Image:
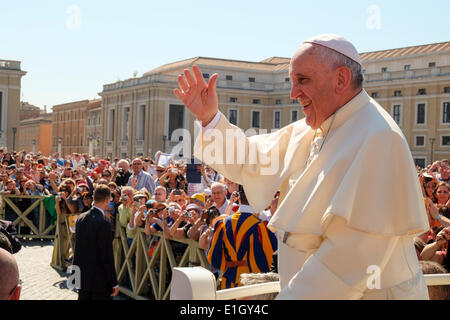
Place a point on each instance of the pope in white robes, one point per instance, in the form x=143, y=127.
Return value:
x=350, y=200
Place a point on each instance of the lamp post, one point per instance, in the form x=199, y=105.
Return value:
x=14, y=138
x=59, y=145
x=432, y=151
x=164, y=143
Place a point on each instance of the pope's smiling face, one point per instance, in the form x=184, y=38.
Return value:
x=313, y=85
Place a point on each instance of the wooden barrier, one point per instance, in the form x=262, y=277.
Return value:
x=148, y=277
x=36, y=232
x=64, y=244
x=140, y=276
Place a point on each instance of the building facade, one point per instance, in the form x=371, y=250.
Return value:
x=10, y=86
x=35, y=134
x=141, y=115
x=413, y=85
x=69, y=127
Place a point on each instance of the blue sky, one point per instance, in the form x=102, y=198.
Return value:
x=71, y=48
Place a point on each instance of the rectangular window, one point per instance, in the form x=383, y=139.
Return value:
x=431, y=64
x=422, y=92
x=206, y=75
x=228, y=77
x=277, y=119
x=232, y=99
x=397, y=93
x=446, y=112
x=421, y=113
x=396, y=113
x=75, y=140
x=294, y=115
x=278, y=101
x=111, y=124
x=384, y=69
x=232, y=116
x=81, y=140
x=287, y=79
x=420, y=141
x=125, y=123
x=407, y=67
x=140, y=123
x=447, y=90
x=256, y=121
x=251, y=79
x=295, y=101
x=374, y=95
x=256, y=101
x=176, y=118
x=446, y=140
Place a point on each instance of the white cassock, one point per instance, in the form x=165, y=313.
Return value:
x=347, y=210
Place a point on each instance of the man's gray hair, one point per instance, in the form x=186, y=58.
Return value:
x=123, y=161
x=335, y=60
x=219, y=184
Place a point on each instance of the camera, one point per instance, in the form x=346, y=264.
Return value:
x=171, y=209
x=124, y=198
x=177, y=192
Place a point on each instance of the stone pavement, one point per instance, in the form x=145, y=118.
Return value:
x=39, y=280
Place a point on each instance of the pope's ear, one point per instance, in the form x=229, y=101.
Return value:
x=343, y=79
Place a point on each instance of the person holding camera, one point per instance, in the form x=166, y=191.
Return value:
x=62, y=209
x=206, y=232
x=187, y=218
x=126, y=212
x=173, y=179
x=158, y=218
x=122, y=173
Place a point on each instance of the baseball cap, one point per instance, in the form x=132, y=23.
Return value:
x=199, y=196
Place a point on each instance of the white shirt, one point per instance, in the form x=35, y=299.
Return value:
x=223, y=207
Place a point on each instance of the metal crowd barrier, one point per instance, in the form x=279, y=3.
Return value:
x=10, y=206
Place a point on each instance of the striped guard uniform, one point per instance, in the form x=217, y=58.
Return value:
x=241, y=244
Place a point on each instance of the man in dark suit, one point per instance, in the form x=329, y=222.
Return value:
x=94, y=252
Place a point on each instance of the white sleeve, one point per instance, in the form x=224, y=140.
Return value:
x=339, y=268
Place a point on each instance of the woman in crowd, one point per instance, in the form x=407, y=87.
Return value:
x=441, y=194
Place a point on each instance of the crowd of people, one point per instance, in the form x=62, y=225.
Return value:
x=153, y=194
x=432, y=246
x=162, y=197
